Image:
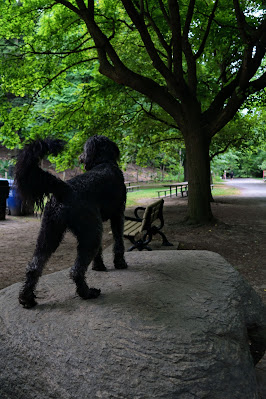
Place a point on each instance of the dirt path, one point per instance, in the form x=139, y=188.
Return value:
x=239, y=236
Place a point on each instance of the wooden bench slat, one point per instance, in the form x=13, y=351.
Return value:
x=132, y=227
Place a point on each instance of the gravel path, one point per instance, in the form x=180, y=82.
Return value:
x=250, y=188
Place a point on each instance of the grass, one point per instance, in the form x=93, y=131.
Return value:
x=221, y=189
x=134, y=198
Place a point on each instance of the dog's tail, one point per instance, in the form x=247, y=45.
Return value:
x=32, y=182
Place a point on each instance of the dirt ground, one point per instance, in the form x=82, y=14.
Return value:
x=239, y=235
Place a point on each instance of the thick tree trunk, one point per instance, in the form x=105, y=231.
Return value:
x=197, y=156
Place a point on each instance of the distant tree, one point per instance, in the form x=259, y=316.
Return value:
x=246, y=150
x=263, y=165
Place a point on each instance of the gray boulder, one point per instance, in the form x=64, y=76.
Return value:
x=175, y=324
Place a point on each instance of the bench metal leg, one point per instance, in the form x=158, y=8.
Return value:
x=165, y=242
x=142, y=244
x=139, y=248
x=139, y=245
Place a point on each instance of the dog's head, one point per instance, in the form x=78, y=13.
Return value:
x=97, y=150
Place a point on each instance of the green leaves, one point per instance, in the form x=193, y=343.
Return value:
x=50, y=84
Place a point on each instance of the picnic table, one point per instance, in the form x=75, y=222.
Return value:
x=174, y=187
x=129, y=186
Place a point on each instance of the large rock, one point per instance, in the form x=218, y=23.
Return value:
x=173, y=325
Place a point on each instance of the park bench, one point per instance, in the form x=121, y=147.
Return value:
x=140, y=230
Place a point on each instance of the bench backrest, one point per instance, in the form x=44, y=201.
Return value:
x=152, y=212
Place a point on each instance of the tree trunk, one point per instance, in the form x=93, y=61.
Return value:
x=197, y=157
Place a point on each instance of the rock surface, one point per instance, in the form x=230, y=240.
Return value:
x=173, y=325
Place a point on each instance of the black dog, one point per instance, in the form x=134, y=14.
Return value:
x=80, y=205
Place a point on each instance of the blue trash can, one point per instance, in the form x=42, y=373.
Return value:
x=14, y=202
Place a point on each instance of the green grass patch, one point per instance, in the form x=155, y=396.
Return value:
x=222, y=189
x=134, y=198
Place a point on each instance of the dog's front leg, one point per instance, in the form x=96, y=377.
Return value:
x=77, y=273
x=117, y=225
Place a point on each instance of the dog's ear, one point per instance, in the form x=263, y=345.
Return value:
x=89, y=153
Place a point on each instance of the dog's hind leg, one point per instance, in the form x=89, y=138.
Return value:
x=117, y=225
x=98, y=262
x=49, y=238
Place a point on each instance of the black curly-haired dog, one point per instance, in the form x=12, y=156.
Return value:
x=80, y=205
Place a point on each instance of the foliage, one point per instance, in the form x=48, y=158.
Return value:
x=263, y=165
x=244, y=164
x=5, y=166
x=188, y=66
x=50, y=62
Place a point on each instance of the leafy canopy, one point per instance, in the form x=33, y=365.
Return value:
x=50, y=82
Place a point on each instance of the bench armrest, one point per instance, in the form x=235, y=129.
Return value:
x=139, y=208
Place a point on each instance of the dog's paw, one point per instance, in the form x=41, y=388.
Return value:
x=27, y=302
x=122, y=264
x=89, y=293
x=99, y=268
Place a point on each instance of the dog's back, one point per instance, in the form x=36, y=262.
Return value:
x=101, y=187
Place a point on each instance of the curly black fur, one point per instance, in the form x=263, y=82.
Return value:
x=80, y=205
x=33, y=183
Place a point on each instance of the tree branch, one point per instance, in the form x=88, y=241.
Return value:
x=161, y=38
x=81, y=5
x=258, y=84
x=158, y=32
x=191, y=63
x=241, y=22
x=164, y=12
x=139, y=22
x=241, y=86
x=112, y=66
x=189, y=16
x=152, y=115
x=49, y=81
x=68, y=5
x=175, y=24
x=229, y=144
x=60, y=53
x=155, y=117
x=205, y=37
